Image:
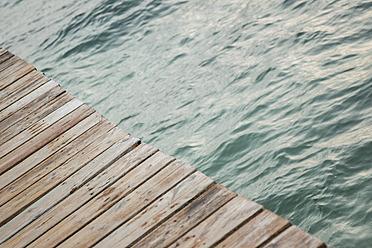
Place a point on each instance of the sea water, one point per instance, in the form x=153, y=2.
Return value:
x=272, y=99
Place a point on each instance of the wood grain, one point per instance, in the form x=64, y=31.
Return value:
x=120, y=209
x=80, y=197
x=24, y=181
x=148, y=219
x=219, y=224
x=7, y=60
x=5, y=113
x=56, y=176
x=295, y=237
x=9, y=145
x=45, y=167
x=183, y=221
x=35, y=110
x=37, y=142
x=21, y=87
x=257, y=231
x=16, y=72
x=19, y=84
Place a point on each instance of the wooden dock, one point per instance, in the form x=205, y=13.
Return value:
x=71, y=178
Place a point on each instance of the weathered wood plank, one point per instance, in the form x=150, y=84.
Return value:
x=4, y=57
x=21, y=87
x=257, y=231
x=84, y=175
x=9, y=145
x=52, y=162
x=37, y=142
x=2, y=51
x=25, y=181
x=14, y=73
x=145, y=221
x=5, y=113
x=19, y=84
x=33, y=112
x=295, y=237
x=80, y=196
x=53, y=178
x=119, y=208
x=9, y=67
x=219, y=224
x=171, y=230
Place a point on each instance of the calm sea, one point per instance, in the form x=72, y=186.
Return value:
x=272, y=99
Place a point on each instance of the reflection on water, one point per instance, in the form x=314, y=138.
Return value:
x=270, y=98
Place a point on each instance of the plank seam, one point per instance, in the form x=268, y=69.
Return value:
x=31, y=102
x=276, y=234
x=172, y=214
x=237, y=228
x=40, y=214
x=144, y=207
x=87, y=203
x=51, y=154
x=20, y=210
x=59, y=95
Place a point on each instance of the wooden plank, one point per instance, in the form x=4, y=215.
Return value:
x=2, y=51
x=85, y=174
x=11, y=144
x=4, y=57
x=295, y=237
x=56, y=176
x=19, y=84
x=5, y=113
x=21, y=87
x=34, y=111
x=15, y=73
x=32, y=119
x=119, y=208
x=50, y=149
x=171, y=230
x=219, y=224
x=52, y=162
x=25, y=150
x=257, y=231
x=10, y=66
x=145, y=221
x=7, y=193
x=78, y=197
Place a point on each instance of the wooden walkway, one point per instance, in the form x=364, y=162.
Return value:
x=71, y=178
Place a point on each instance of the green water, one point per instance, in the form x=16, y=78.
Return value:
x=272, y=99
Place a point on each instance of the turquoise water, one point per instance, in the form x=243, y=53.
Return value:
x=272, y=99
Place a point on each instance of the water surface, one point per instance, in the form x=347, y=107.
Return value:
x=272, y=99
